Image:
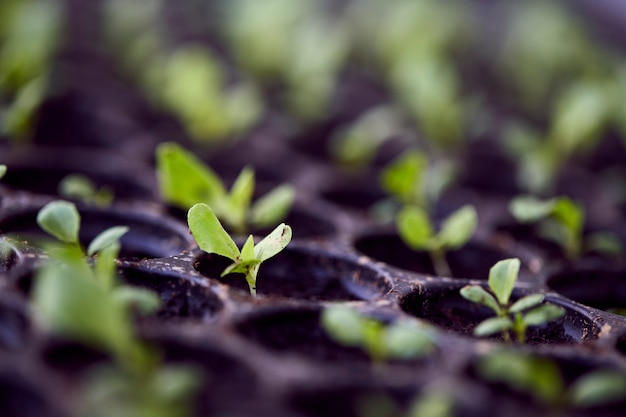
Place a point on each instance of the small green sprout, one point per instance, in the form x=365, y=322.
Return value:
x=541, y=378
x=185, y=180
x=561, y=220
x=3, y=170
x=82, y=188
x=400, y=340
x=212, y=238
x=418, y=233
x=510, y=317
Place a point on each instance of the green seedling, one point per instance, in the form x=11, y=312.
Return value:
x=417, y=232
x=561, y=220
x=185, y=180
x=212, y=238
x=382, y=342
x=541, y=378
x=510, y=317
x=82, y=188
x=3, y=171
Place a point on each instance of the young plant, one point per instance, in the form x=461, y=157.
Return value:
x=185, y=180
x=400, y=340
x=417, y=232
x=561, y=220
x=212, y=238
x=541, y=378
x=82, y=188
x=510, y=317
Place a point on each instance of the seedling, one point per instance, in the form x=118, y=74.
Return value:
x=418, y=233
x=3, y=171
x=82, y=188
x=561, y=220
x=185, y=180
x=541, y=378
x=510, y=317
x=400, y=340
x=212, y=238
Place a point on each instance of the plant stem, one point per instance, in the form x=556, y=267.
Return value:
x=438, y=257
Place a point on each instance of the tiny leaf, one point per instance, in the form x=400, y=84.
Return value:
x=407, y=341
x=478, y=295
x=247, y=252
x=570, y=214
x=404, y=177
x=543, y=314
x=493, y=325
x=414, y=228
x=528, y=209
x=597, y=388
x=502, y=278
x=343, y=324
x=273, y=243
x=459, y=227
x=106, y=238
x=142, y=300
x=3, y=170
x=527, y=302
x=61, y=220
x=273, y=206
x=209, y=233
x=241, y=194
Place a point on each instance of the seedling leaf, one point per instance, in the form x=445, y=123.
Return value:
x=184, y=180
x=597, y=388
x=404, y=177
x=570, y=214
x=241, y=194
x=273, y=243
x=209, y=233
x=543, y=314
x=414, y=228
x=459, y=227
x=406, y=341
x=528, y=209
x=3, y=170
x=247, y=252
x=527, y=302
x=273, y=206
x=493, y=325
x=344, y=325
x=61, y=220
x=142, y=300
x=106, y=238
x=502, y=277
x=478, y=295
x=242, y=267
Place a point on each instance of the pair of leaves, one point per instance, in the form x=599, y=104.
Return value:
x=185, y=180
x=82, y=188
x=399, y=340
x=417, y=231
x=212, y=238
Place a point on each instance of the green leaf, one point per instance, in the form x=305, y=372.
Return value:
x=3, y=170
x=105, y=267
x=273, y=243
x=543, y=314
x=478, y=295
x=414, y=228
x=570, y=214
x=526, y=302
x=433, y=404
x=528, y=209
x=604, y=242
x=493, y=325
x=502, y=278
x=209, y=233
x=598, y=388
x=240, y=196
x=108, y=237
x=343, y=324
x=61, y=220
x=247, y=252
x=184, y=180
x=77, y=186
x=241, y=267
x=273, y=206
x=406, y=341
x=459, y=227
x=404, y=178
x=142, y=300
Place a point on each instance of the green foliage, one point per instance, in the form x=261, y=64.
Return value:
x=82, y=188
x=541, y=378
x=561, y=220
x=509, y=317
x=212, y=238
x=184, y=181
x=418, y=233
x=3, y=170
x=400, y=340
x=61, y=220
